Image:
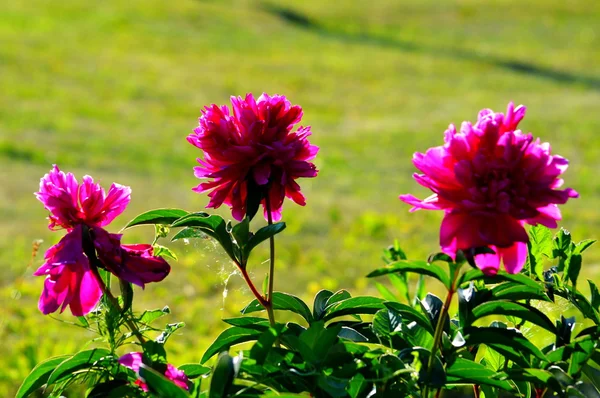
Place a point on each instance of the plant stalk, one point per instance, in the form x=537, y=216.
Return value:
x=439, y=329
x=269, y=297
x=90, y=252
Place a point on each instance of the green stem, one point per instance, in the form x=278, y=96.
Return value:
x=269, y=307
x=90, y=252
x=439, y=329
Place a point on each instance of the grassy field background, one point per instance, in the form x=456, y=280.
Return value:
x=112, y=89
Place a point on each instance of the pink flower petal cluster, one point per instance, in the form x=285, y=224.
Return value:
x=133, y=361
x=69, y=279
x=253, y=148
x=490, y=179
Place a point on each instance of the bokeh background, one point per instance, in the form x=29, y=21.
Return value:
x=112, y=89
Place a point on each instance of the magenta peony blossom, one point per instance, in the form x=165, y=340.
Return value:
x=132, y=263
x=253, y=147
x=491, y=179
x=70, y=203
x=133, y=361
x=69, y=279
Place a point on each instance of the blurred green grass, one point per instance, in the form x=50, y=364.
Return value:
x=111, y=89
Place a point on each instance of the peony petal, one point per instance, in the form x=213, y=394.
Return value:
x=514, y=257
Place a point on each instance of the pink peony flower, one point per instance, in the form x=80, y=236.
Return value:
x=133, y=361
x=70, y=203
x=132, y=263
x=491, y=179
x=69, y=279
x=253, y=147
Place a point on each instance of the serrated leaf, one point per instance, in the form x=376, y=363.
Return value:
x=419, y=267
x=82, y=360
x=583, y=245
x=228, y=338
x=158, y=216
x=39, y=375
x=354, y=306
x=519, y=310
x=160, y=385
x=285, y=302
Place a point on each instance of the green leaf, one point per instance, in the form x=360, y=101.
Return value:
x=574, y=268
x=261, y=235
x=255, y=195
x=357, y=386
x=419, y=267
x=519, y=310
x=188, y=233
x=39, y=375
x=194, y=370
x=155, y=352
x=561, y=243
x=501, y=276
x=285, y=302
x=82, y=360
x=469, y=372
x=168, y=331
x=595, y=299
x=223, y=376
x=263, y=345
x=385, y=292
x=212, y=225
x=126, y=295
x=320, y=303
x=354, y=306
x=114, y=389
x=410, y=314
x=509, y=342
x=352, y=335
x=241, y=232
x=83, y=321
x=386, y=322
x=400, y=282
x=583, y=245
x=337, y=297
x=158, y=216
x=164, y=252
x=250, y=322
x=160, y=385
x=149, y=316
x=514, y=291
x=229, y=337
x=539, y=247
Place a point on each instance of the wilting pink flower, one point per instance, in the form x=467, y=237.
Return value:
x=253, y=148
x=69, y=279
x=71, y=203
x=132, y=263
x=133, y=361
x=491, y=179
